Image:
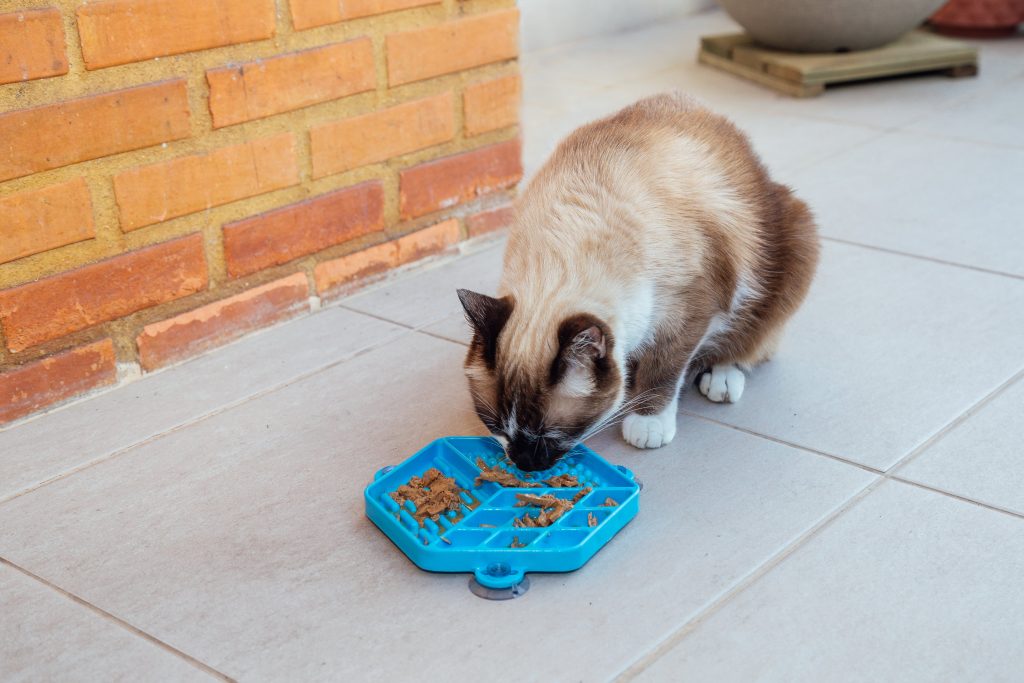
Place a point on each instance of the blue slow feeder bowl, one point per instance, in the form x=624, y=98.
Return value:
x=476, y=539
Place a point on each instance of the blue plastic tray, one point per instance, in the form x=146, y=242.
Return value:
x=478, y=536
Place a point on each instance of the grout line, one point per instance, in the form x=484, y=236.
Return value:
x=99, y=611
x=791, y=444
x=959, y=138
x=653, y=654
x=378, y=317
x=799, y=168
x=957, y=496
x=205, y=416
x=897, y=252
x=994, y=87
x=954, y=423
x=442, y=337
x=642, y=662
x=421, y=328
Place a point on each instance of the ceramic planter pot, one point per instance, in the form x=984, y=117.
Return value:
x=828, y=25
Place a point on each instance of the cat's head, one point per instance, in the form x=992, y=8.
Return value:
x=539, y=385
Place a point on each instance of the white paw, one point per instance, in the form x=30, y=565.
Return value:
x=723, y=384
x=649, y=431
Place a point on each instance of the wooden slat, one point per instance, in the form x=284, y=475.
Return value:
x=775, y=83
x=915, y=51
x=803, y=74
x=722, y=45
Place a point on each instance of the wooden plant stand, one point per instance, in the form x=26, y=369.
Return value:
x=806, y=75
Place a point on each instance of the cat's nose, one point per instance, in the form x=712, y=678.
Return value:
x=532, y=455
x=525, y=454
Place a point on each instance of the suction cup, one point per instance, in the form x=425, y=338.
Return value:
x=510, y=593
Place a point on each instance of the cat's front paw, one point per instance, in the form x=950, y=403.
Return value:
x=649, y=431
x=723, y=383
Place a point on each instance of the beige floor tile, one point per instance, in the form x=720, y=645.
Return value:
x=453, y=328
x=886, y=351
x=624, y=57
x=981, y=458
x=900, y=101
x=995, y=119
x=81, y=433
x=425, y=297
x=945, y=199
x=46, y=636
x=908, y=585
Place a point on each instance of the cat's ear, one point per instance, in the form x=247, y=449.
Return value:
x=486, y=314
x=582, y=338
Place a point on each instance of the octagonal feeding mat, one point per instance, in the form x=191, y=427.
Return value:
x=478, y=525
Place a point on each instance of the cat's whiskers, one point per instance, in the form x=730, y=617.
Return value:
x=634, y=403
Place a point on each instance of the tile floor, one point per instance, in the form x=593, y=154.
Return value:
x=858, y=516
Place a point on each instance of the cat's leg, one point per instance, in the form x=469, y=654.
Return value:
x=724, y=376
x=657, y=375
x=754, y=334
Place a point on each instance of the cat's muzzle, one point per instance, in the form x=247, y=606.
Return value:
x=535, y=454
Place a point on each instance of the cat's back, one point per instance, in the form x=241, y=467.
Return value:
x=640, y=189
x=675, y=133
x=668, y=138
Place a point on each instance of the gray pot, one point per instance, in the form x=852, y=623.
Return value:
x=828, y=25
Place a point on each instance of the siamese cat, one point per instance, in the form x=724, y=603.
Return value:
x=651, y=249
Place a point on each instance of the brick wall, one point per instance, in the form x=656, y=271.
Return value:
x=174, y=174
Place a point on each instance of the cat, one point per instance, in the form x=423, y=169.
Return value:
x=652, y=249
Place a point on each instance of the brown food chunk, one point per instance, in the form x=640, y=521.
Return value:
x=501, y=477
x=433, y=494
x=515, y=543
x=551, y=508
x=591, y=519
x=563, y=481
x=609, y=502
x=542, y=501
x=580, y=495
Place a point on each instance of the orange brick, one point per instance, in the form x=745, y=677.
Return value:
x=426, y=242
x=452, y=46
x=489, y=221
x=71, y=301
x=357, y=266
x=36, y=385
x=292, y=81
x=155, y=193
x=217, y=323
x=47, y=218
x=491, y=105
x=122, y=31
x=31, y=45
x=33, y=140
x=310, y=13
x=452, y=180
x=381, y=257
x=342, y=145
x=287, y=233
